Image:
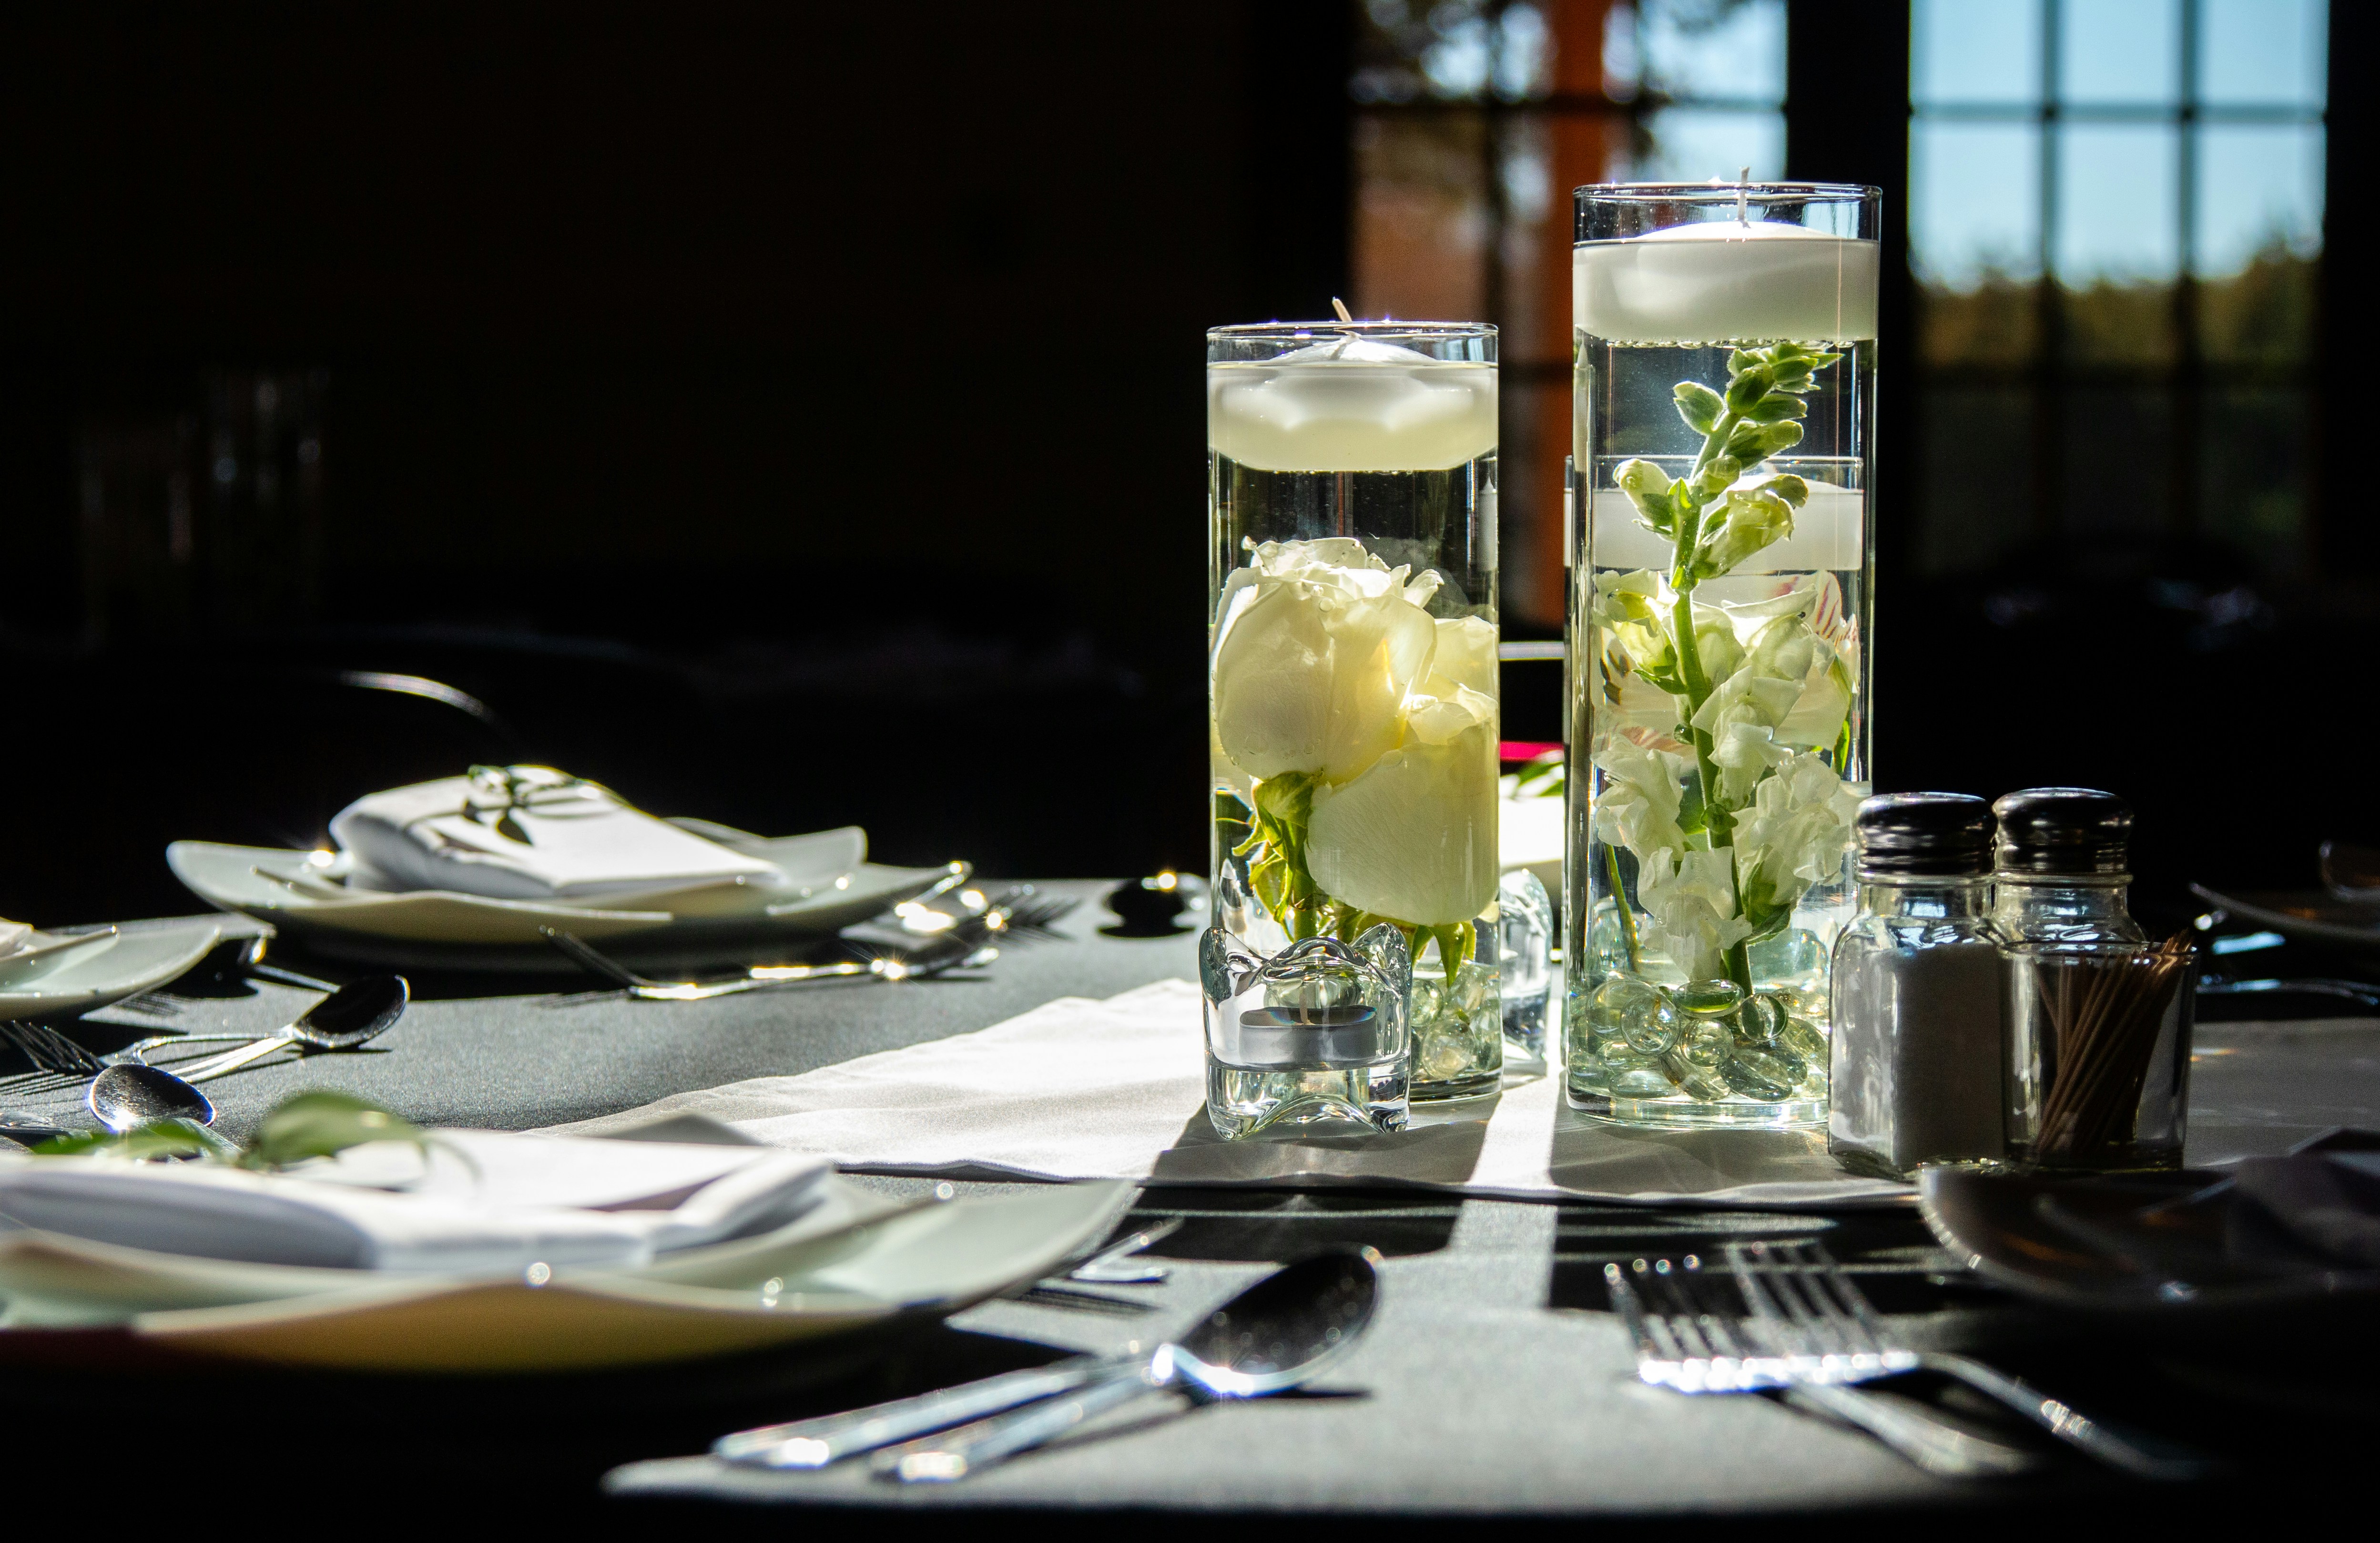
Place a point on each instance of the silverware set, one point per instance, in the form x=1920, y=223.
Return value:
x=1021, y=915
x=1118, y=1264
x=1274, y=1336
x=1786, y=1317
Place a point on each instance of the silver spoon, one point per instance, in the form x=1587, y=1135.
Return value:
x=124, y=1097
x=356, y=1012
x=814, y=1443
x=27, y=1130
x=1271, y=1338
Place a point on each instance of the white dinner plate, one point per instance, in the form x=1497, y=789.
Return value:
x=2309, y=916
x=853, y=1260
x=829, y=887
x=138, y=958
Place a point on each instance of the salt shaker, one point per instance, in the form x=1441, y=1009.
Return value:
x=1917, y=1053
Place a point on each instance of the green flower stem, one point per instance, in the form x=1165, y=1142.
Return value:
x=1620, y=903
x=1719, y=823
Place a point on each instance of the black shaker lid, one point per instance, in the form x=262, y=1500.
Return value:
x=2063, y=830
x=1944, y=834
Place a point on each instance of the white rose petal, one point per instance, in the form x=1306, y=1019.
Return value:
x=1413, y=837
x=1466, y=654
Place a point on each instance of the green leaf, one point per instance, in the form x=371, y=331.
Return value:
x=1537, y=772
x=159, y=1138
x=1699, y=405
x=1749, y=387
x=1714, y=479
x=323, y=1123
x=1663, y=674
x=1757, y=442
x=1692, y=813
x=1776, y=408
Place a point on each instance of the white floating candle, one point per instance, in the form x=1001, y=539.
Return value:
x=1726, y=281
x=1349, y=404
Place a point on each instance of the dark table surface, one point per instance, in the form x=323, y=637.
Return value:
x=1495, y=1384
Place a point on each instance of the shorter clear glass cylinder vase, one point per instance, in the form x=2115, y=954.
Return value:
x=1353, y=720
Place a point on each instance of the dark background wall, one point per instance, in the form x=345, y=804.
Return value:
x=789, y=414
x=792, y=416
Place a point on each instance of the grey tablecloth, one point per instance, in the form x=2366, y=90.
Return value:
x=1486, y=1388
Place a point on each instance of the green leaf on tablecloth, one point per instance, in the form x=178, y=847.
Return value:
x=159, y=1138
x=324, y=1124
x=306, y=1125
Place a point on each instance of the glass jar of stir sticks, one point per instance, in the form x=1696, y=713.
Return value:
x=2097, y=1018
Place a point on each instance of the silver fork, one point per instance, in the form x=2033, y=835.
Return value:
x=1812, y=1303
x=1686, y=1340
x=59, y=1063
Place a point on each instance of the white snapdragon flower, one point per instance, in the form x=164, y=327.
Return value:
x=1795, y=835
x=1638, y=805
x=1413, y=836
x=1744, y=753
x=1690, y=901
x=1316, y=645
x=1635, y=608
x=1760, y=701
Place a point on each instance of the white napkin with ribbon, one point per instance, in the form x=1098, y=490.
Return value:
x=526, y=833
x=477, y=1202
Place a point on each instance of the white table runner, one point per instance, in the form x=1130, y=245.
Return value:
x=1080, y=1088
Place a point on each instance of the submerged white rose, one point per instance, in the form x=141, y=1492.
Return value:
x=1316, y=645
x=1413, y=837
x=1691, y=899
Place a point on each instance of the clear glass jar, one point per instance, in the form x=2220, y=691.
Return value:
x=1916, y=1053
x=1353, y=706
x=1718, y=673
x=2098, y=1021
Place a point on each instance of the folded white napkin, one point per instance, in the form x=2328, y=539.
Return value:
x=14, y=935
x=525, y=832
x=480, y=1202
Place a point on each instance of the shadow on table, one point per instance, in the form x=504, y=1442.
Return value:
x=1439, y=1153
x=533, y=1443
x=1595, y=1156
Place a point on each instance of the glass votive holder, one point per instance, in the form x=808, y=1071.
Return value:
x=1524, y=941
x=2098, y=1040
x=1313, y=1039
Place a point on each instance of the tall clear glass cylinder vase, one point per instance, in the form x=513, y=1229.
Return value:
x=1353, y=721
x=1720, y=639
